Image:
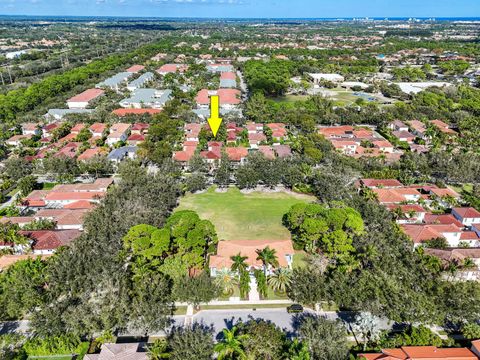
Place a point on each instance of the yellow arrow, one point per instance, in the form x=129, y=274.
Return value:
x=214, y=120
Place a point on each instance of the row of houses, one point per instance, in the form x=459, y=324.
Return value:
x=66, y=205
x=131, y=134
x=254, y=133
x=414, y=208
x=359, y=141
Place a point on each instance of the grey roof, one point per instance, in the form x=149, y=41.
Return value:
x=228, y=83
x=148, y=97
x=115, y=80
x=220, y=68
x=120, y=153
x=60, y=113
x=205, y=113
x=141, y=80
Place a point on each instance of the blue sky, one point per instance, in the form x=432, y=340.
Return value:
x=245, y=8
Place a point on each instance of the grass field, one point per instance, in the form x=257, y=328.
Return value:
x=237, y=216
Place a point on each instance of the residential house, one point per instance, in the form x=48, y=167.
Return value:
x=421, y=352
x=97, y=130
x=82, y=100
x=135, y=69
x=140, y=81
x=46, y=242
x=236, y=154
x=172, y=68
x=228, y=98
x=458, y=256
x=116, y=81
x=380, y=183
x=227, y=249
x=125, y=112
x=228, y=80
x=118, y=132
x=420, y=233
x=151, y=98
x=65, y=219
x=466, y=215
x=125, y=351
x=122, y=153
x=404, y=136
x=31, y=129
x=16, y=140
x=398, y=125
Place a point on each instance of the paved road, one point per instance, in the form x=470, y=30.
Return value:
x=220, y=319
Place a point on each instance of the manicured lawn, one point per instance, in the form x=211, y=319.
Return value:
x=291, y=98
x=237, y=216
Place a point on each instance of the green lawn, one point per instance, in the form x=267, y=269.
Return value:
x=237, y=216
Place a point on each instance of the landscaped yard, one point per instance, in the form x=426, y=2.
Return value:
x=238, y=216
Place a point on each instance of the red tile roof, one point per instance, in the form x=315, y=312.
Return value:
x=226, y=96
x=444, y=219
x=171, y=68
x=51, y=239
x=125, y=112
x=467, y=212
x=248, y=248
x=87, y=95
x=228, y=75
x=135, y=68
x=236, y=153
x=422, y=352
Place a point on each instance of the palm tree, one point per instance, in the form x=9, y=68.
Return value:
x=280, y=280
x=268, y=257
x=239, y=265
x=231, y=346
x=227, y=281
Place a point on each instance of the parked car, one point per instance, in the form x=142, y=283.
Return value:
x=295, y=308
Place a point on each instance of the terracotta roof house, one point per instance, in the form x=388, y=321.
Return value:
x=396, y=195
x=135, y=139
x=419, y=233
x=97, y=129
x=66, y=219
x=404, y=136
x=135, y=68
x=398, y=125
x=77, y=128
x=82, y=100
x=467, y=215
x=125, y=112
x=237, y=154
x=443, y=127
x=422, y=352
x=140, y=128
x=16, y=140
x=90, y=153
x=227, y=97
x=282, y=151
x=31, y=129
x=184, y=156
x=248, y=248
x=172, y=68
x=336, y=131
x=131, y=351
x=444, y=219
x=47, y=241
x=69, y=150
x=267, y=151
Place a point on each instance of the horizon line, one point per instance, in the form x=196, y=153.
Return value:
x=250, y=18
